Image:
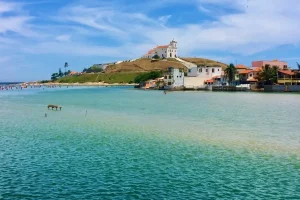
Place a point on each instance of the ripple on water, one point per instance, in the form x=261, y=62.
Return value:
x=122, y=152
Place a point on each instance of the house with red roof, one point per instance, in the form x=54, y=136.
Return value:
x=163, y=51
x=288, y=77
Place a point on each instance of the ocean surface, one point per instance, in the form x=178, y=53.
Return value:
x=122, y=143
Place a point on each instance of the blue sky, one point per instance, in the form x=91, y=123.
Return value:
x=38, y=36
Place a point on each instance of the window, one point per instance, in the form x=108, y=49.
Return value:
x=250, y=75
x=166, y=77
x=213, y=70
x=169, y=83
x=218, y=69
x=190, y=70
x=177, y=76
x=206, y=70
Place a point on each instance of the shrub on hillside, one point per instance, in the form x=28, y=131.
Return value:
x=156, y=57
x=147, y=76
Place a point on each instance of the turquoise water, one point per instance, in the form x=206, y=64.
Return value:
x=121, y=143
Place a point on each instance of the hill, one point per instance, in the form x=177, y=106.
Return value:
x=126, y=72
x=144, y=65
x=206, y=62
x=121, y=77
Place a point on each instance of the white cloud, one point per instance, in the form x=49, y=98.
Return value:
x=244, y=30
x=203, y=9
x=63, y=38
x=164, y=19
x=8, y=7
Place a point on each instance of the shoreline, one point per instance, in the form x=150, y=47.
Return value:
x=81, y=84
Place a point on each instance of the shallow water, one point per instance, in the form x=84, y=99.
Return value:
x=121, y=143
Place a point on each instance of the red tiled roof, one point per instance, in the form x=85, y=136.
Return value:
x=73, y=73
x=245, y=71
x=209, y=81
x=240, y=66
x=162, y=47
x=257, y=69
x=288, y=72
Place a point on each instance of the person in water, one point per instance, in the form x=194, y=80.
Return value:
x=45, y=114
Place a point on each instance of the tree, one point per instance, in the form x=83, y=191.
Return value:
x=60, y=74
x=298, y=65
x=268, y=75
x=54, y=76
x=156, y=57
x=65, y=66
x=230, y=73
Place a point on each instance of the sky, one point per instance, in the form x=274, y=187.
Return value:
x=38, y=36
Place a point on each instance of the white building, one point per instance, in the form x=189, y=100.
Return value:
x=205, y=71
x=174, y=78
x=164, y=51
x=200, y=75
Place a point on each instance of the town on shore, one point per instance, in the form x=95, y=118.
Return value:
x=162, y=68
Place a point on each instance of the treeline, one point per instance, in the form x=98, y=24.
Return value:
x=60, y=74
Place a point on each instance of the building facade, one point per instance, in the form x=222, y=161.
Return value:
x=174, y=78
x=164, y=51
x=280, y=64
x=205, y=71
x=200, y=76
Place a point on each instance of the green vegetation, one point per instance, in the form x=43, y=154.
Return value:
x=268, y=75
x=55, y=75
x=230, y=72
x=92, y=69
x=147, y=76
x=156, y=57
x=102, y=77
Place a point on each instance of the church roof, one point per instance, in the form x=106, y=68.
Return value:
x=162, y=47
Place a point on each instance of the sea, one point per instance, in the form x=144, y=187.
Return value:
x=124, y=143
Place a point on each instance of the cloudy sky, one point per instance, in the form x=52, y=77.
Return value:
x=38, y=36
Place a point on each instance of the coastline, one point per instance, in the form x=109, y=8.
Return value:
x=81, y=84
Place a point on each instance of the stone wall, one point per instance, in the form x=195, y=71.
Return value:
x=282, y=88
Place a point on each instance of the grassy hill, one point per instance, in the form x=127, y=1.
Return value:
x=126, y=72
x=206, y=62
x=122, y=77
x=144, y=65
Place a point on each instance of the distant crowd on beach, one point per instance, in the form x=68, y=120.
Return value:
x=24, y=86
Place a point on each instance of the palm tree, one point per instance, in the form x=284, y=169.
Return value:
x=298, y=65
x=230, y=72
x=268, y=74
x=66, y=65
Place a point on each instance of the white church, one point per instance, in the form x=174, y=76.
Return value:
x=164, y=51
